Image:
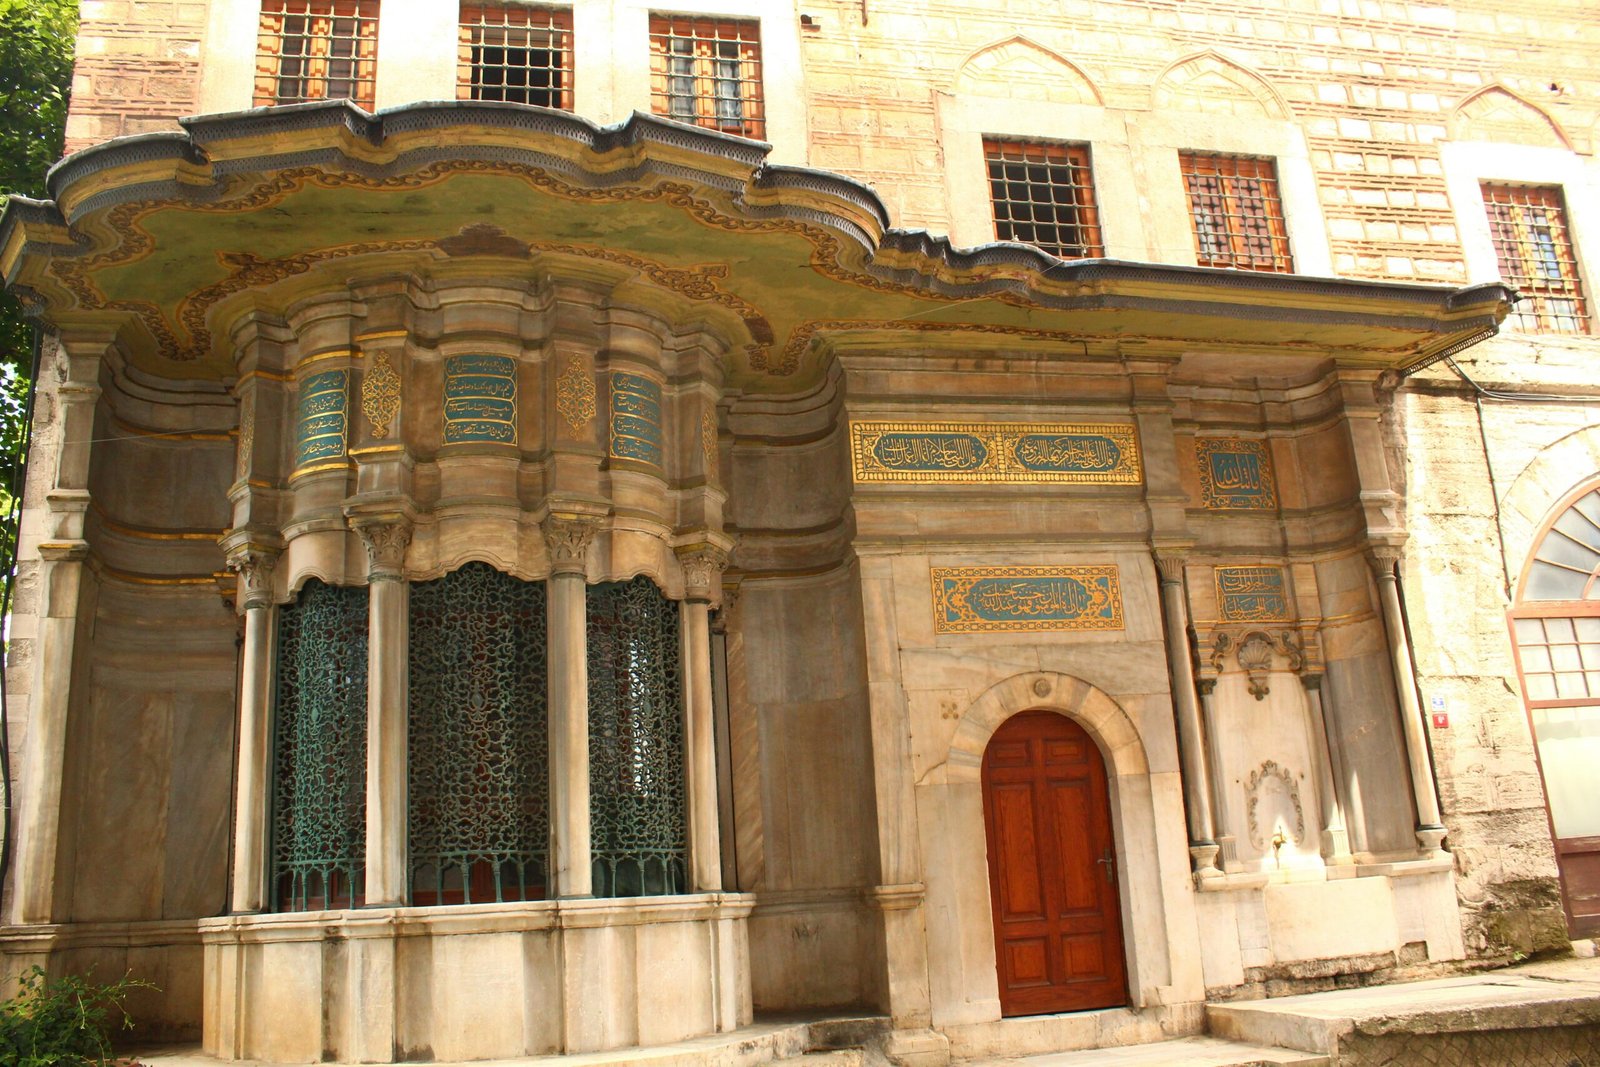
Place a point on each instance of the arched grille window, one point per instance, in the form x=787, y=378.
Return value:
x=638, y=823
x=1556, y=622
x=320, y=750
x=479, y=739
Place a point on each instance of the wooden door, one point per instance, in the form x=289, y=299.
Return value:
x=1052, y=868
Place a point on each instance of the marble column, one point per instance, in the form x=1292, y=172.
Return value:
x=1430, y=831
x=386, y=537
x=702, y=579
x=255, y=565
x=1335, y=838
x=1224, y=816
x=1191, y=743
x=567, y=539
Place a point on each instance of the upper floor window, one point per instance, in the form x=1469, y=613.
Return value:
x=1043, y=195
x=1528, y=225
x=316, y=50
x=707, y=72
x=1236, y=212
x=515, y=53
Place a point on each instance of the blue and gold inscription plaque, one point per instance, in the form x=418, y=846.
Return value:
x=634, y=430
x=1235, y=474
x=1251, y=594
x=322, y=418
x=997, y=453
x=480, y=400
x=971, y=600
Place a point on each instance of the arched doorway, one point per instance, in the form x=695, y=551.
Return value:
x=1555, y=623
x=1052, y=868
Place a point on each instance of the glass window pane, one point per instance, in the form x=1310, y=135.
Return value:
x=1569, y=753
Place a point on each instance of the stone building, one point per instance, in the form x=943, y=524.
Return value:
x=557, y=528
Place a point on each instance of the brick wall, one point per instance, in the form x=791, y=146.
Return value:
x=137, y=68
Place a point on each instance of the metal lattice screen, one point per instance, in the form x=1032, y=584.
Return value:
x=320, y=750
x=479, y=739
x=515, y=53
x=636, y=793
x=1236, y=212
x=1042, y=194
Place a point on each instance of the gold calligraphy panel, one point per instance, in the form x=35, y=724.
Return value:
x=1235, y=474
x=969, y=600
x=1251, y=594
x=997, y=453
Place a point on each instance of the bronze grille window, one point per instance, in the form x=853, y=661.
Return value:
x=1236, y=212
x=1043, y=195
x=316, y=50
x=707, y=72
x=1529, y=227
x=519, y=54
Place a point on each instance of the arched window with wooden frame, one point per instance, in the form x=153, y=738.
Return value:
x=1555, y=624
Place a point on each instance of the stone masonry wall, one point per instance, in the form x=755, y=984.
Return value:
x=137, y=68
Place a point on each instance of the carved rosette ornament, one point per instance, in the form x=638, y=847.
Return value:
x=386, y=538
x=380, y=394
x=567, y=539
x=702, y=571
x=254, y=565
x=575, y=397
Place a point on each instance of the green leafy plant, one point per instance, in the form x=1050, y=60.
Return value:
x=63, y=1022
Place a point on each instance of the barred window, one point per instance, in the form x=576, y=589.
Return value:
x=1043, y=195
x=515, y=53
x=1529, y=227
x=316, y=50
x=1236, y=212
x=707, y=72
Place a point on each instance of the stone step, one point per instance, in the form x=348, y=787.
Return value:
x=845, y=1057
x=1188, y=1051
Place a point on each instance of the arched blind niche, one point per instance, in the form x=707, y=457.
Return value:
x=638, y=820
x=319, y=755
x=479, y=782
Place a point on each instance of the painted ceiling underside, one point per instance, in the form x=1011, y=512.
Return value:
x=167, y=237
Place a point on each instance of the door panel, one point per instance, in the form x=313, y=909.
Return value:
x=1057, y=920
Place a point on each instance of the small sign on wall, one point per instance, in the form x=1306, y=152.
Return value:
x=1439, y=713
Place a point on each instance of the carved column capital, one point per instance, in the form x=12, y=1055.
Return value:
x=703, y=565
x=1170, y=564
x=567, y=538
x=386, y=536
x=1382, y=559
x=254, y=564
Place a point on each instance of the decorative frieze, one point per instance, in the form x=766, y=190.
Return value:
x=322, y=418
x=480, y=400
x=1235, y=474
x=634, y=430
x=1251, y=594
x=995, y=453
x=1025, y=599
x=380, y=394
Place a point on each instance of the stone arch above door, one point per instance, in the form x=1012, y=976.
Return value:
x=1113, y=731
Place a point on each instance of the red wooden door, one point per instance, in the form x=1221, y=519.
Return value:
x=1052, y=870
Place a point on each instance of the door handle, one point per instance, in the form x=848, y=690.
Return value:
x=1110, y=860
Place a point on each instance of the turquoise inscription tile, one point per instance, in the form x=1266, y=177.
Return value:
x=1235, y=475
x=1026, y=599
x=480, y=400
x=931, y=452
x=634, y=429
x=1068, y=452
x=1251, y=594
x=322, y=417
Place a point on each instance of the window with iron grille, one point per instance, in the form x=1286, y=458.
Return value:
x=1529, y=227
x=1236, y=212
x=316, y=50
x=707, y=72
x=515, y=53
x=1043, y=195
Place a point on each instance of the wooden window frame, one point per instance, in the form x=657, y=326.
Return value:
x=518, y=28
x=707, y=72
x=301, y=48
x=1052, y=184
x=1236, y=212
x=1532, y=238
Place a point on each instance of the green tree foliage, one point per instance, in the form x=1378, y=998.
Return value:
x=62, y=1023
x=36, y=39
